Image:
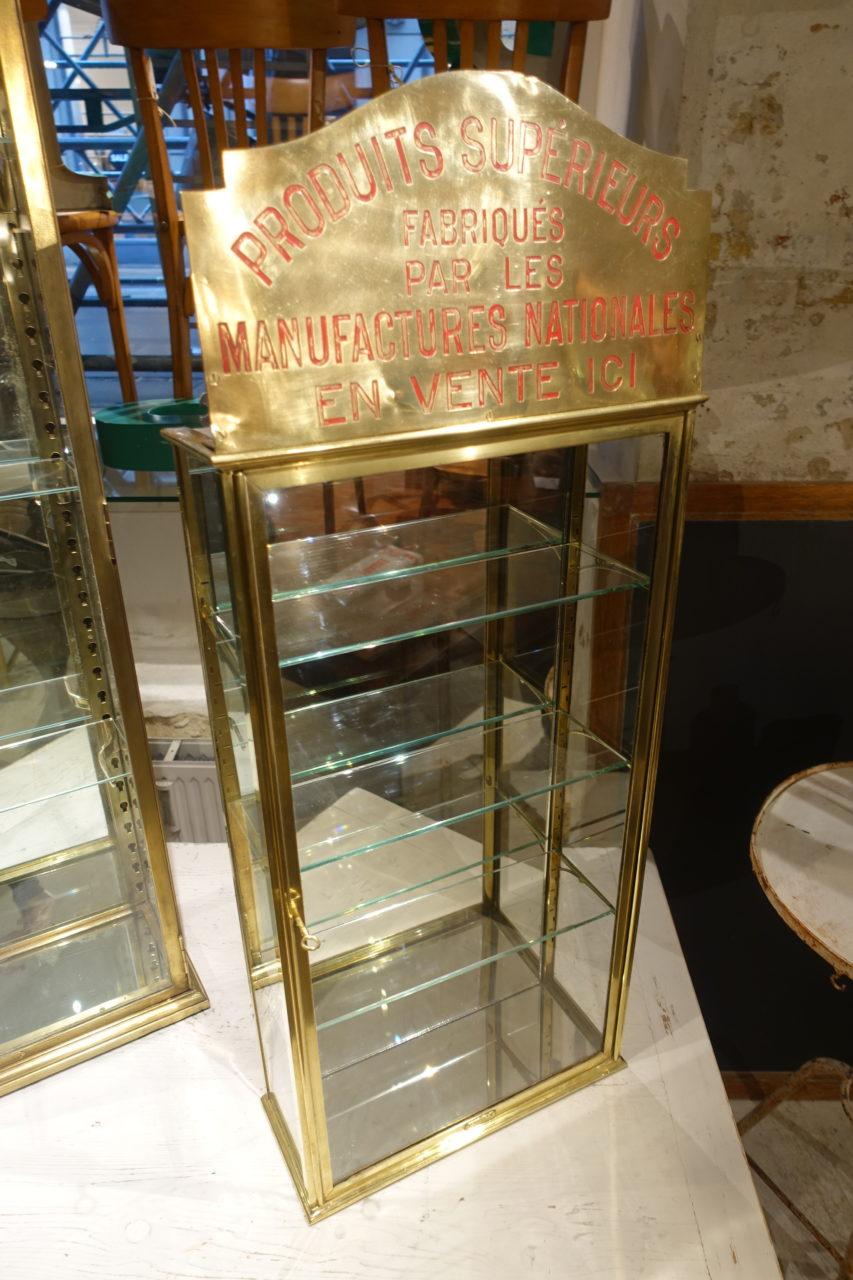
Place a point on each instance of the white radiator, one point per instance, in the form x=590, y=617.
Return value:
x=185, y=774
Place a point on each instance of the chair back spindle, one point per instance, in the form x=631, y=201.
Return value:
x=231, y=98
x=491, y=14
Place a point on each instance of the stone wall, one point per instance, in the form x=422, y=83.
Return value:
x=758, y=95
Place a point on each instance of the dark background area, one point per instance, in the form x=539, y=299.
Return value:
x=760, y=687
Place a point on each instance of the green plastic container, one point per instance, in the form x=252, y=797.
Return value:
x=138, y=462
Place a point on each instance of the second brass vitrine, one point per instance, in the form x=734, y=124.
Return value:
x=91, y=953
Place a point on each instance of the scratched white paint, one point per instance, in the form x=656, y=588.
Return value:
x=155, y=1162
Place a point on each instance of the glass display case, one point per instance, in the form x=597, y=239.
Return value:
x=434, y=634
x=90, y=952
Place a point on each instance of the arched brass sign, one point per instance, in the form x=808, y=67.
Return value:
x=473, y=247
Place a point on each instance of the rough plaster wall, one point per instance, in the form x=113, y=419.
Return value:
x=766, y=122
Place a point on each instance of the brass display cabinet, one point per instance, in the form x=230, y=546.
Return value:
x=433, y=532
x=90, y=951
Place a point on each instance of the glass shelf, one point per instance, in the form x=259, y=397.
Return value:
x=38, y=706
x=441, y=962
x=50, y=986
x=25, y=476
x=384, y=1103
x=48, y=765
x=337, y=734
x=359, y=619
x=59, y=891
x=438, y=785
x=390, y=552
x=445, y=873
x=449, y=864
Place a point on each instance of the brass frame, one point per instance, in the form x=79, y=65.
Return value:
x=246, y=539
x=183, y=995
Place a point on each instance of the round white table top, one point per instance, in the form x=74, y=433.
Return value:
x=802, y=853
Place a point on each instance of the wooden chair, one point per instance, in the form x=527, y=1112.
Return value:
x=489, y=13
x=218, y=41
x=287, y=101
x=86, y=220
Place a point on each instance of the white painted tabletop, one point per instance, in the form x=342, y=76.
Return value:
x=802, y=851
x=156, y=1162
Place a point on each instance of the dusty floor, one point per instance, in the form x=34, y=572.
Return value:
x=807, y=1149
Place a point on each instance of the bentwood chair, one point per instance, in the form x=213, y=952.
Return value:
x=86, y=219
x=482, y=18
x=223, y=47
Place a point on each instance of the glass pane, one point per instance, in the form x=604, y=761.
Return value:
x=78, y=976
x=43, y=766
x=238, y=771
x=460, y=653
x=58, y=892
x=345, y=814
x=338, y=619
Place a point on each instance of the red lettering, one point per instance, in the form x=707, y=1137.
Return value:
x=649, y=218
x=278, y=234
x=423, y=134
x=410, y=217
x=687, y=300
x=521, y=371
x=498, y=325
x=289, y=342
x=549, y=153
x=253, y=262
x=264, y=353
x=576, y=166
x=611, y=182
x=670, y=231
x=477, y=162
x=494, y=387
x=396, y=135
x=383, y=353
x=589, y=189
x=669, y=300
x=461, y=272
x=426, y=404
x=475, y=319
x=451, y=330
x=234, y=350
x=544, y=379
x=455, y=389
x=370, y=398
x=326, y=396
x=297, y=192
x=339, y=334
x=611, y=362
x=528, y=147
x=335, y=210
x=415, y=274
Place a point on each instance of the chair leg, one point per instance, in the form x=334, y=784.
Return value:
x=178, y=312
x=815, y=1067
x=430, y=481
x=179, y=340
x=96, y=250
x=117, y=319
x=328, y=507
x=360, y=497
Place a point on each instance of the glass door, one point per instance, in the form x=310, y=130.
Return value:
x=459, y=651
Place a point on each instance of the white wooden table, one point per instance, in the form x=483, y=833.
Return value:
x=155, y=1162
x=802, y=852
